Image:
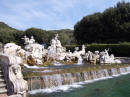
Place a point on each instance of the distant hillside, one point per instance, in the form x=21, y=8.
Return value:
x=9, y=34
x=62, y=30
x=5, y=27
x=66, y=36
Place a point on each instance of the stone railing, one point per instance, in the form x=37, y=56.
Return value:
x=11, y=68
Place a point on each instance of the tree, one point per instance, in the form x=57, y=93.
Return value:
x=111, y=26
x=41, y=36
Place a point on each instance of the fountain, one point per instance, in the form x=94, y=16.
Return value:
x=35, y=54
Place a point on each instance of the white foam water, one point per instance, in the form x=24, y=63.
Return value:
x=64, y=88
x=45, y=71
x=33, y=67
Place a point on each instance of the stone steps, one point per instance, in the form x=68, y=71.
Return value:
x=3, y=89
x=2, y=80
x=2, y=85
x=1, y=75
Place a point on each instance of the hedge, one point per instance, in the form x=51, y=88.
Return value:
x=119, y=50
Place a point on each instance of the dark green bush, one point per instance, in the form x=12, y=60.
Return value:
x=119, y=50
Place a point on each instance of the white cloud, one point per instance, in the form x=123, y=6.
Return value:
x=49, y=14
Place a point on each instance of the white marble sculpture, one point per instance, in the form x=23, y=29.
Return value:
x=11, y=49
x=56, y=50
x=16, y=85
x=59, y=53
x=106, y=58
x=33, y=49
x=91, y=57
x=102, y=57
x=77, y=53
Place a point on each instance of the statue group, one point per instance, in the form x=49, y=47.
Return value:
x=101, y=57
x=36, y=54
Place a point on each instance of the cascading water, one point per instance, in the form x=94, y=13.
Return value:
x=114, y=71
x=85, y=75
x=123, y=70
x=79, y=60
x=128, y=69
x=56, y=80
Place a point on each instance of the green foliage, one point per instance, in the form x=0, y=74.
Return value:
x=66, y=36
x=8, y=34
x=119, y=50
x=43, y=36
x=40, y=35
x=111, y=26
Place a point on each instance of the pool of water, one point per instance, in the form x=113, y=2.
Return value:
x=113, y=87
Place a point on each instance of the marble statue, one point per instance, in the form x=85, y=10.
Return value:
x=91, y=57
x=77, y=53
x=100, y=57
x=106, y=58
x=56, y=50
x=33, y=49
x=12, y=49
x=16, y=85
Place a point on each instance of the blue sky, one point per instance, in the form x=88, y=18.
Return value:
x=49, y=14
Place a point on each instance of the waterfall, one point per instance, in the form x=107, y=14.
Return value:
x=106, y=73
x=56, y=80
x=85, y=75
x=128, y=69
x=123, y=70
x=114, y=71
x=79, y=60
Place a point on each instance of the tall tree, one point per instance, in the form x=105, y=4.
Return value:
x=111, y=26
